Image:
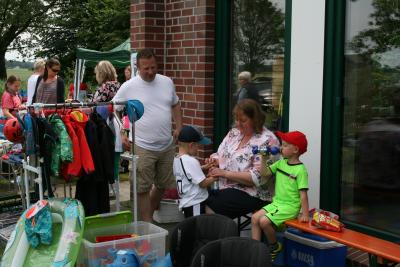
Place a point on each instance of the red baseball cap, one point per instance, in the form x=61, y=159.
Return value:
x=295, y=138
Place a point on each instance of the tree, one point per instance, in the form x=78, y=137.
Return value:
x=378, y=47
x=258, y=32
x=57, y=27
x=16, y=16
x=93, y=24
x=383, y=33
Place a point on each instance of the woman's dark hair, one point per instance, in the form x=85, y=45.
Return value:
x=145, y=53
x=10, y=80
x=49, y=64
x=252, y=110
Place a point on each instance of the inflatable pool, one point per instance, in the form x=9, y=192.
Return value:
x=67, y=217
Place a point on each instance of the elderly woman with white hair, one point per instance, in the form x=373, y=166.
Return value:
x=246, y=89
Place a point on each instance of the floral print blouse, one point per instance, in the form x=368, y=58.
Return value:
x=233, y=158
x=106, y=91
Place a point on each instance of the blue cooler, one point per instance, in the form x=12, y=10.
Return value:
x=308, y=250
x=280, y=258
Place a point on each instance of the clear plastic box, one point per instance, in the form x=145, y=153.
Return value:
x=149, y=244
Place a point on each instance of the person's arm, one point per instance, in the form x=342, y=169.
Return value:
x=207, y=182
x=303, y=217
x=177, y=116
x=7, y=113
x=121, y=95
x=265, y=171
x=243, y=178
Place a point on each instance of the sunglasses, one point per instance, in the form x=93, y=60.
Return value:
x=55, y=70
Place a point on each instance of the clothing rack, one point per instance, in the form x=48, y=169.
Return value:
x=28, y=168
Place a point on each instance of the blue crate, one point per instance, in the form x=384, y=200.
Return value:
x=307, y=250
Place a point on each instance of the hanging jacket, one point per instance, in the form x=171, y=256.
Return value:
x=30, y=144
x=106, y=140
x=79, y=120
x=101, y=143
x=73, y=168
x=62, y=149
x=46, y=139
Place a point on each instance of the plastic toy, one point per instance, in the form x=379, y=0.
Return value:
x=128, y=258
x=68, y=221
x=265, y=150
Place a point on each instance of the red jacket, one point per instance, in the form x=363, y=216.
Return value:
x=75, y=123
x=78, y=120
x=73, y=168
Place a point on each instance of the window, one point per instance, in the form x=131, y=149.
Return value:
x=257, y=47
x=370, y=180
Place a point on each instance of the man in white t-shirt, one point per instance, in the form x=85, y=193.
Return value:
x=38, y=70
x=154, y=142
x=191, y=182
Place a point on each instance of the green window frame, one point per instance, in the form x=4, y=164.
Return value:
x=332, y=111
x=222, y=71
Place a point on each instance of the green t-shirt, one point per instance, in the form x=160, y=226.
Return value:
x=289, y=180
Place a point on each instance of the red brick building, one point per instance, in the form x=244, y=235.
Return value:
x=183, y=36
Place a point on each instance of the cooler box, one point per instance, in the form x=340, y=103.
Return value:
x=149, y=243
x=280, y=258
x=308, y=250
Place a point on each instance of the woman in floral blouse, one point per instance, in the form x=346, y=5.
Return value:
x=106, y=76
x=238, y=169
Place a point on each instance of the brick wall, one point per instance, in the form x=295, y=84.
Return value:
x=182, y=34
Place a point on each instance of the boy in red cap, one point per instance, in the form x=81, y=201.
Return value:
x=291, y=187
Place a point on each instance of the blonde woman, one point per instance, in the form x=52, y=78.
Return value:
x=106, y=76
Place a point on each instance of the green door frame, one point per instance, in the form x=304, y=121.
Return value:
x=222, y=68
x=332, y=110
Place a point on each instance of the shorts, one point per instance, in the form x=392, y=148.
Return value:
x=279, y=215
x=155, y=167
x=233, y=202
x=195, y=210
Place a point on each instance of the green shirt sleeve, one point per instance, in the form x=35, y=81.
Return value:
x=302, y=179
x=273, y=167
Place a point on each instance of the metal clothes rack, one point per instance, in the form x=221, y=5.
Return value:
x=37, y=170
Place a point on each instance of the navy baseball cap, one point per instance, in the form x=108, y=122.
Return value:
x=191, y=134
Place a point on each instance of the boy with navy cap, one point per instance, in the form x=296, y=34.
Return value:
x=291, y=185
x=190, y=179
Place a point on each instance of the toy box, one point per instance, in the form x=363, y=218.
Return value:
x=149, y=244
x=308, y=250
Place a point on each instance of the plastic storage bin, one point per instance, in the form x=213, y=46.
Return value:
x=307, y=250
x=150, y=243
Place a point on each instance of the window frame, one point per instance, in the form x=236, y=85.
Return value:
x=332, y=117
x=222, y=68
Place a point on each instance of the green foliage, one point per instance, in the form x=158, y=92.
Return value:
x=258, y=32
x=383, y=33
x=57, y=27
x=93, y=24
x=379, y=41
x=17, y=17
